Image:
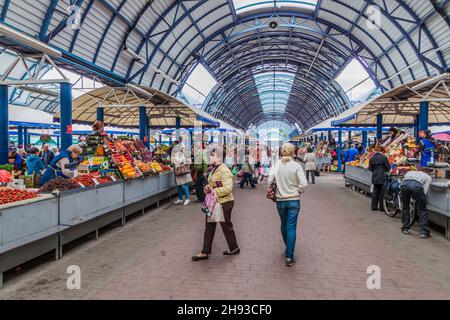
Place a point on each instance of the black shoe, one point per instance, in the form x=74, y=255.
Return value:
x=290, y=262
x=228, y=253
x=197, y=258
x=425, y=236
x=375, y=209
x=404, y=231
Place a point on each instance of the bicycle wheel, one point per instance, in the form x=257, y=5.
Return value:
x=392, y=207
x=413, y=217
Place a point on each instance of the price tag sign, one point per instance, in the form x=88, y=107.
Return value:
x=113, y=178
x=81, y=185
x=96, y=181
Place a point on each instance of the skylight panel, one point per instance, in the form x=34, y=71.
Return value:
x=356, y=82
x=243, y=6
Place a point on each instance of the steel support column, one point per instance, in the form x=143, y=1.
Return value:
x=339, y=151
x=143, y=126
x=322, y=137
x=178, y=127
x=25, y=137
x=330, y=135
x=379, y=126
x=20, y=136
x=4, y=125
x=101, y=114
x=66, y=115
x=423, y=116
x=416, y=128
x=364, y=140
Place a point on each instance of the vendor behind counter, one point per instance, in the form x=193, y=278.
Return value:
x=57, y=167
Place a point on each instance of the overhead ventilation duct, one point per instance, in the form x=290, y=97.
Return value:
x=31, y=42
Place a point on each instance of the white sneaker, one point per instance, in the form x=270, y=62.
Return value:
x=178, y=201
x=186, y=202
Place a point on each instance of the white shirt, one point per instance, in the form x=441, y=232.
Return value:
x=421, y=177
x=290, y=178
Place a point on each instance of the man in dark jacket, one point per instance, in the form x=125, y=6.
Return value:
x=46, y=156
x=379, y=165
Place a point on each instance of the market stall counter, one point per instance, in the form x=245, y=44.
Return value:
x=88, y=209
x=28, y=229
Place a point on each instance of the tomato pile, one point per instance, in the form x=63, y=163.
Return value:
x=14, y=195
x=5, y=176
x=84, y=180
x=103, y=180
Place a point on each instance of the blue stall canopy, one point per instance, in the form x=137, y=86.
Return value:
x=33, y=125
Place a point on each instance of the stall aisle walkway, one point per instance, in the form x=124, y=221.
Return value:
x=338, y=239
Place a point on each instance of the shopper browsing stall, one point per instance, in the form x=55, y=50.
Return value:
x=379, y=165
x=58, y=166
x=182, y=173
x=416, y=185
x=34, y=163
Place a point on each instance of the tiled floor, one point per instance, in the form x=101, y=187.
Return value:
x=338, y=239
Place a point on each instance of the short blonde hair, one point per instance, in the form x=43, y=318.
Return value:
x=287, y=150
x=75, y=148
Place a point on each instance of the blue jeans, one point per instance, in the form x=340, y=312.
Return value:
x=289, y=211
x=183, y=190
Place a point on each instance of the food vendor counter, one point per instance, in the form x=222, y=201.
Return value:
x=358, y=177
x=438, y=197
x=322, y=161
x=31, y=228
x=28, y=229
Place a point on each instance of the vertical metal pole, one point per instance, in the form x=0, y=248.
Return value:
x=364, y=140
x=178, y=127
x=4, y=128
x=329, y=135
x=416, y=128
x=349, y=136
x=143, y=126
x=160, y=138
x=20, y=136
x=423, y=116
x=379, y=126
x=322, y=137
x=66, y=115
x=101, y=114
x=58, y=142
x=339, y=151
x=25, y=137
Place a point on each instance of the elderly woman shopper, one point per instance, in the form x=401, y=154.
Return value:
x=310, y=165
x=291, y=183
x=58, y=166
x=220, y=181
x=182, y=173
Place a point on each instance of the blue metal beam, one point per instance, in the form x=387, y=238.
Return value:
x=4, y=10
x=4, y=132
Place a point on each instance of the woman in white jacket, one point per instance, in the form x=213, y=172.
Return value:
x=310, y=165
x=291, y=182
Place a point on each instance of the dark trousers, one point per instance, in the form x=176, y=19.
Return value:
x=200, y=185
x=247, y=178
x=414, y=189
x=377, y=197
x=227, y=228
x=311, y=173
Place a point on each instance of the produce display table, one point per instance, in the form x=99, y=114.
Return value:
x=359, y=177
x=322, y=161
x=28, y=229
x=31, y=228
x=89, y=209
x=438, y=196
x=438, y=204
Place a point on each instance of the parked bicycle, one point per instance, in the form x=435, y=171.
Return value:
x=392, y=200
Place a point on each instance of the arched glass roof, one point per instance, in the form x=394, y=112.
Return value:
x=158, y=44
